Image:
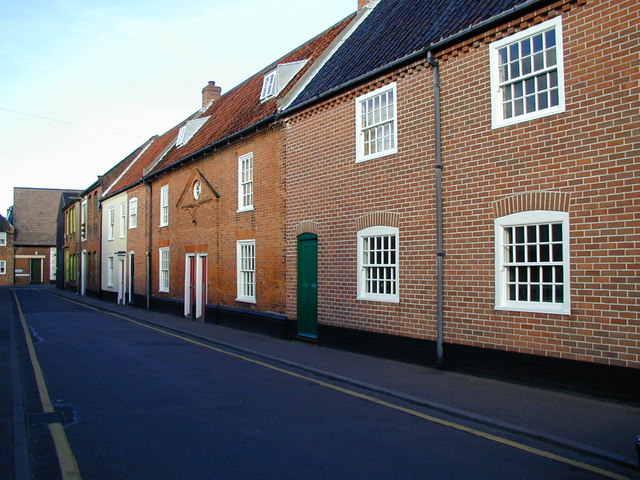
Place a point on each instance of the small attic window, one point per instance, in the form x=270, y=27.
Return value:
x=277, y=79
x=188, y=130
x=268, y=85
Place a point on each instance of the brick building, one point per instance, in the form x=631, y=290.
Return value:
x=204, y=205
x=468, y=191
x=6, y=252
x=35, y=219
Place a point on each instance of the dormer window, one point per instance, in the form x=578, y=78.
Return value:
x=268, y=85
x=188, y=130
x=277, y=79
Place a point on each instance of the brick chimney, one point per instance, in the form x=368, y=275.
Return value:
x=210, y=94
x=362, y=4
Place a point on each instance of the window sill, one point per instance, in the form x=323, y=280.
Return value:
x=499, y=123
x=386, y=153
x=245, y=209
x=247, y=300
x=389, y=299
x=561, y=310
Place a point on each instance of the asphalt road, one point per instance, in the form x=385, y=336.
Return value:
x=140, y=403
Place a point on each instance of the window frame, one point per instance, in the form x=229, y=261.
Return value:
x=531, y=218
x=111, y=222
x=3, y=239
x=133, y=213
x=360, y=129
x=3, y=267
x=269, y=86
x=164, y=261
x=83, y=220
x=110, y=265
x=164, y=205
x=497, y=113
x=243, y=204
x=246, y=277
x=123, y=219
x=364, y=267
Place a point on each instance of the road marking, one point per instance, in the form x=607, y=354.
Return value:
x=368, y=398
x=66, y=459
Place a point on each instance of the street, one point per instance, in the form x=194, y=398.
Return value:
x=141, y=403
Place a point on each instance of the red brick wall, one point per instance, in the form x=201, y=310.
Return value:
x=6, y=254
x=588, y=155
x=92, y=242
x=24, y=264
x=213, y=225
x=138, y=238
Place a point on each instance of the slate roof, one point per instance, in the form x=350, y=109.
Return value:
x=35, y=214
x=396, y=29
x=240, y=108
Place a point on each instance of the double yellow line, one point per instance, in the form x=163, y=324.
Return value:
x=368, y=398
x=66, y=459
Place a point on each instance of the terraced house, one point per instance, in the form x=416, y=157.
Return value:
x=449, y=182
x=195, y=223
x=462, y=186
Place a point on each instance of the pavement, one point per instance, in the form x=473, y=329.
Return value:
x=594, y=427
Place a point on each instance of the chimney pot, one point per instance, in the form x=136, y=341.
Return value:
x=210, y=93
x=362, y=4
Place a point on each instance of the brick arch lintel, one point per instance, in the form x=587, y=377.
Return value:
x=307, y=226
x=539, y=200
x=387, y=219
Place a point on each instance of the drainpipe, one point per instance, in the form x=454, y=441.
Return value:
x=439, y=242
x=149, y=229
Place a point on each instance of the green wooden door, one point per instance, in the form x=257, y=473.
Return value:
x=308, y=285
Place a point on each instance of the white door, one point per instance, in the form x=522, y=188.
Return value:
x=83, y=273
x=121, y=282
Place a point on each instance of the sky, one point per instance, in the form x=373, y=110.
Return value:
x=83, y=83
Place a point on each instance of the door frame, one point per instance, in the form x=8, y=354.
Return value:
x=308, y=328
x=130, y=273
x=83, y=272
x=122, y=285
x=33, y=261
x=197, y=262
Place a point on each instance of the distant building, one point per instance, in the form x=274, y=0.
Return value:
x=35, y=219
x=6, y=252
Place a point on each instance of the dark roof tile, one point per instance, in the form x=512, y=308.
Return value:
x=396, y=29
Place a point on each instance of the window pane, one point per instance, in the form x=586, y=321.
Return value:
x=538, y=61
x=544, y=253
x=537, y=43
x=551, y=57
x=503, y=55
x=550, y=38
x=534, y=293
x=530, y=85
x=519, y=107
x=514, y=53
x=514, y=69
x=547, y=274
x=557, y=252
x=531, y=103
